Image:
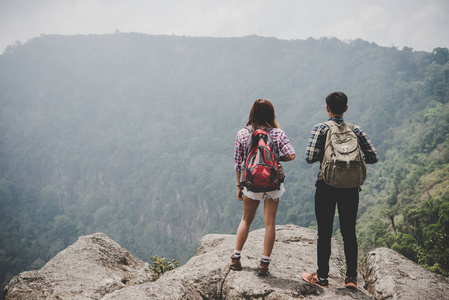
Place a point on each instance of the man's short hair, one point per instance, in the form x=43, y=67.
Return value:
x=337, y=102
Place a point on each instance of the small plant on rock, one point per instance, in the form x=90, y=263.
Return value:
x=162, y=265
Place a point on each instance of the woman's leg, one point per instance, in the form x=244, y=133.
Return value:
x=270, y=210
x=249, y=212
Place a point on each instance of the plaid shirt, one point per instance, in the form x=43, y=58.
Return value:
x=277, y=135
x=317, y=140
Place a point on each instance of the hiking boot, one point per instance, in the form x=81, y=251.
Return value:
x=263, y=268
x=313, y=279
x=351, y=282
x=235, y=263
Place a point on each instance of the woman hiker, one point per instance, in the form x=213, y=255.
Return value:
x=261, y=116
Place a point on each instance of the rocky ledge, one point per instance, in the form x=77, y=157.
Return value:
x=96, y=267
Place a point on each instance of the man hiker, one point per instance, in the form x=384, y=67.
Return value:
x=329, y=193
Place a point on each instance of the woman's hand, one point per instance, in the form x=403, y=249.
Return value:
x=239, y=188
x=239, y=193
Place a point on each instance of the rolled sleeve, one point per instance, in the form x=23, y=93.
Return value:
x=240, y=143
x=285, y=147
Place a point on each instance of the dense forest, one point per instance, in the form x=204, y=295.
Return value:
x=133, y=135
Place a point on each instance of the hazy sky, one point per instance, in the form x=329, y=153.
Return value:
x=420, y=24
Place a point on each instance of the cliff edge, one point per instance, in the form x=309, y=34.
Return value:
x=96, y=267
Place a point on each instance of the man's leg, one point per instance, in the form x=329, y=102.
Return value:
x=348, y=205
x=324, y=212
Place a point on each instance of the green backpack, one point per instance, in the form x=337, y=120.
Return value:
x=343, y=165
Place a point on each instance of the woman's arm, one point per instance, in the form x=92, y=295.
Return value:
x=239, y=188
x=287, y=158
x=286, y=149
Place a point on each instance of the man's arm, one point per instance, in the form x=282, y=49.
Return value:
x=315, y=146
x=367, y=147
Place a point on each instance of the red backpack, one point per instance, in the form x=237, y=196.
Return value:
x=262, y=171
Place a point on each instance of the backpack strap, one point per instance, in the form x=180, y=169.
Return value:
x=250, y=141
x=333, y=123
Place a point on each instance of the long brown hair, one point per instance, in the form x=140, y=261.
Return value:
x=262, y=115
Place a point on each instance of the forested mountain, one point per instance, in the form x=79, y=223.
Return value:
x=133, y=135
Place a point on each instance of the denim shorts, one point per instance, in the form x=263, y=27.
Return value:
x=273, y=195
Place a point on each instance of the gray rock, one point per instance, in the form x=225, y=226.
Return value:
x=92, y=267
x=389, y=275
x=207, y=276
x=96, y=267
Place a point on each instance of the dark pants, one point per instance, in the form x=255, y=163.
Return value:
x=347, y=202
